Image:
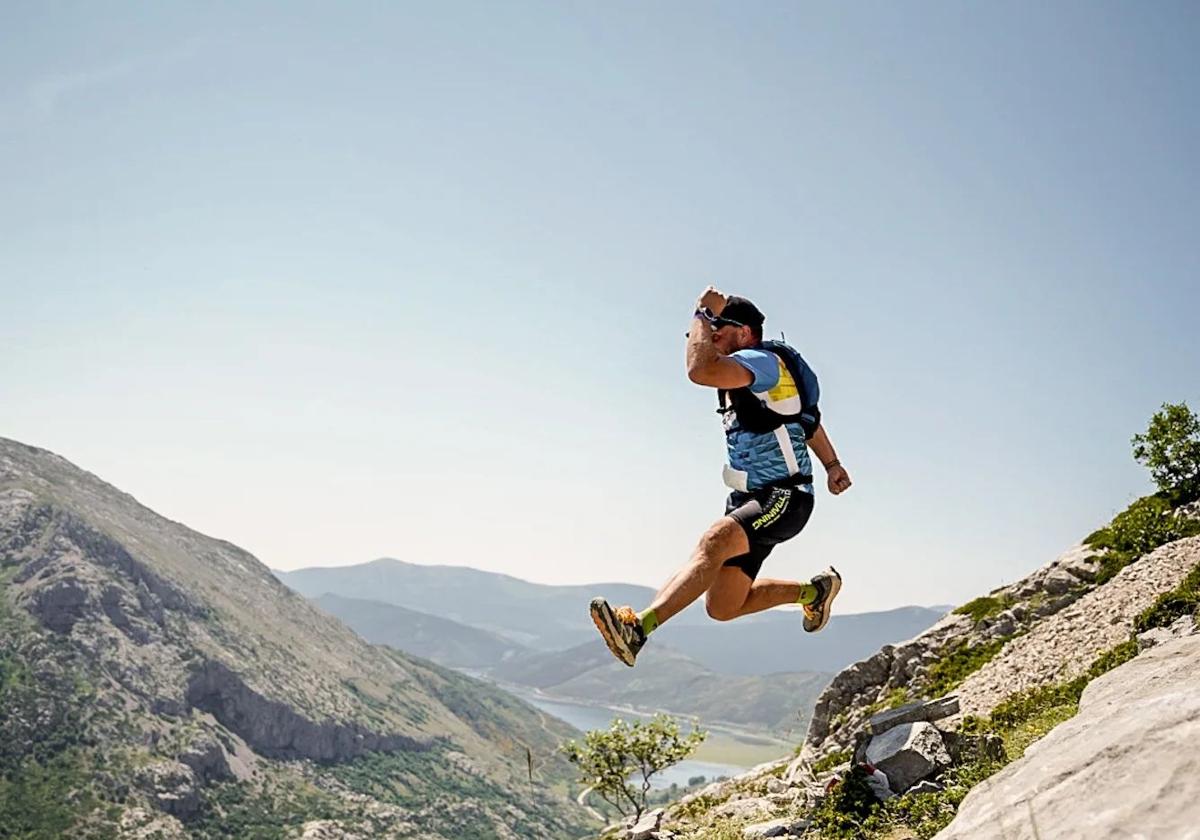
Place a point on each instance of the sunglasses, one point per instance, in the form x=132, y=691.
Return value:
x=716, y=321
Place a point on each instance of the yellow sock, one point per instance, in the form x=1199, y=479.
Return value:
x=808, y=594
x=649, y=621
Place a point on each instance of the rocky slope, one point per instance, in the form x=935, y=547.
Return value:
x=1125, y=766
x=1053, y=624
x=155, y=679
x=1038, y=641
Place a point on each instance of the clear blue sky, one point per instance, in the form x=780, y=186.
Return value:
x=342, y=281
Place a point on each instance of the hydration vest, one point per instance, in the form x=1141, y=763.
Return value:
x=752, y=413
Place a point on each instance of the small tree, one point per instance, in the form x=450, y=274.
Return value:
x=1170, y=449
x=608, y=758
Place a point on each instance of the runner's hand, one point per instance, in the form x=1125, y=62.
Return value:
x=713, y=299
x=838, y=480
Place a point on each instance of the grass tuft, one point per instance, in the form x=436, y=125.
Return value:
x=959, y=663
x=1183, y=600
x=985, y=606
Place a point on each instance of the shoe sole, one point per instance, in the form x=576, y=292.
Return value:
x=608, y=632
x=835, y=587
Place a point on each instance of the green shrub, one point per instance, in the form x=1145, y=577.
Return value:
x=985, y=606
x=1022, y=706
x=45, y=801
x=959, y=663
x=925, y=814
x=1180, y=601
x=696, y=808
x=1112, y=657
x=894, y=699
x=608, y=757
x=851, y=812
x=830, y=761
x=846, y=810
x=1139, y=529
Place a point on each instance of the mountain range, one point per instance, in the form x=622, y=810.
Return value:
x=554, y=618
x=155, y=681
x=158, y=682
x=759, y=674
x=665, y=679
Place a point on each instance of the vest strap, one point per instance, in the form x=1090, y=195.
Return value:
x=797, y=480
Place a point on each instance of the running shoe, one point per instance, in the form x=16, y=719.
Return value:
x=816, y=614
x=621, y=629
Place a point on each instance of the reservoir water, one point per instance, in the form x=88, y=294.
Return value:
x=597, y=717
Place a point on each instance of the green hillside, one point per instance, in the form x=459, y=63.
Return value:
x=157, y=681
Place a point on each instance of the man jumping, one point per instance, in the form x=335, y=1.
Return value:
x=768, y=400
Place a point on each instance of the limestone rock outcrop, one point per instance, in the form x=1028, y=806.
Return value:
x=1125, y=766
x=275, y=730
x=908, y=753
x=1044, y=638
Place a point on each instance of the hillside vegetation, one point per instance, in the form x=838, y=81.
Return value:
x=155, y=680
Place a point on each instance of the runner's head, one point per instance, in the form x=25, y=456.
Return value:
x=739, y=325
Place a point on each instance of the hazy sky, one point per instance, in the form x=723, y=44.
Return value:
x=341, y=281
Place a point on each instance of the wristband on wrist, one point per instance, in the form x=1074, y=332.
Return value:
x=834, y=463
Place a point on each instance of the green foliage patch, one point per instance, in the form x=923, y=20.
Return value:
x=1022, y=707
x=1170, y=449
x=985, y=606
x=452, y=801
x=607, y=758
x=832, y=760
x=267, y=811
x=1183, y=600
x=47, y=801
x=1139, y=529
x=896, y=698
x=959, y=663
x=851, y=811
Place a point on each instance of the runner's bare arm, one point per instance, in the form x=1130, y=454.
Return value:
x=705, y=366
x=838, y=479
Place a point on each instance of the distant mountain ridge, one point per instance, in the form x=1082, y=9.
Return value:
x=535, y=615
x=761, y=672
x=421, y=634
x=554, y=618
x=665, y=679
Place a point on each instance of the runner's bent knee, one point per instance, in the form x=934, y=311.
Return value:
x=724, y=539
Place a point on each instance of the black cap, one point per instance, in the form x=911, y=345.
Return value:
x=743, y=311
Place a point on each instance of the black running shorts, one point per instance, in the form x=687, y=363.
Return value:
x=768, y=516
